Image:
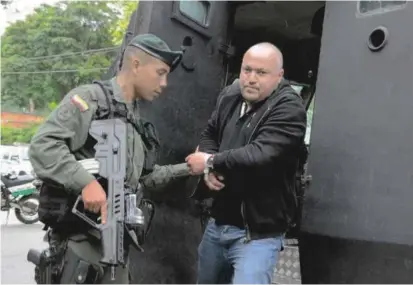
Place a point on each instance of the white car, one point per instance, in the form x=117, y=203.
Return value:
x=15, y=159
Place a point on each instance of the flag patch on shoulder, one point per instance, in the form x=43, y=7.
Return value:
x=79, y=102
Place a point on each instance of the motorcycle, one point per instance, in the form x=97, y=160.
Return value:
x=22, y=195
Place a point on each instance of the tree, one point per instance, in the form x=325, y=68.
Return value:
x=10, y=135
x=127, y=8
x=78, y=32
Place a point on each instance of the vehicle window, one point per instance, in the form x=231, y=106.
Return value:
x=14, y=158
x=6, y=156
x=373, y=7
x=196, y=10
x=297, y=88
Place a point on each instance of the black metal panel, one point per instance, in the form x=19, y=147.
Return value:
x=179, y=115
x=184, y=108
x=361, y=149
x=326, y=260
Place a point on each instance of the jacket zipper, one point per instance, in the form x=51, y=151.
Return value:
x=256, y=126
x=247, y=229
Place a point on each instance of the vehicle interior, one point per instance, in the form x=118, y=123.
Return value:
x=294, y=27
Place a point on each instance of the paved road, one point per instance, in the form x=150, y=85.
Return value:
x=16, y=240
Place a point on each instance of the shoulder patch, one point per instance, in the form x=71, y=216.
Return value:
x=79, y=103
x=65, y=112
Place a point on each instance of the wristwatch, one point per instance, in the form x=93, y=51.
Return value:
x=209, y=164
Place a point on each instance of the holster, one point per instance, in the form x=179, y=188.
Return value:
x=47, y=262
x=43, y=266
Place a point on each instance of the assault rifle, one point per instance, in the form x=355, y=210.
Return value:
x=122, y=213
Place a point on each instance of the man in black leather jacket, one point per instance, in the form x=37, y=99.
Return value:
x=252, y=143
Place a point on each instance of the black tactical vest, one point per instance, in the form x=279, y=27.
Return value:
x=145, y=128
x=55, y=204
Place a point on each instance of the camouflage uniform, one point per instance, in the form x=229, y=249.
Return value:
x=64, y=139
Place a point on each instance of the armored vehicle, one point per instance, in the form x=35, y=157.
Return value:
x=352, y=63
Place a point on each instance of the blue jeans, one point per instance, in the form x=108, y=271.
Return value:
x=223, y=256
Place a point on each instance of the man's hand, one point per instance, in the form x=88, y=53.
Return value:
x=213, y=181
x=197, y=162
x=94, y=199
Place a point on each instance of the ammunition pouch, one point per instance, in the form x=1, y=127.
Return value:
x=55, y=205
x=79, y=271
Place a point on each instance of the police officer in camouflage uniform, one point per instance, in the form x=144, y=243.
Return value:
x=63, y=140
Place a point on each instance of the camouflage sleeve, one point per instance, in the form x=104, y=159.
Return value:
x=162, y=175
x=64, y=131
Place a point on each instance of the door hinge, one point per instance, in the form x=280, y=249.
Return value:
x=227, y=49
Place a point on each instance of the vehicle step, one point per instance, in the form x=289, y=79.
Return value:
x=287, y=270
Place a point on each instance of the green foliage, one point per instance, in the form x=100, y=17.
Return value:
x=67, y=27
x=83, y=36
x=52, y=105
x=10, y=135
x=118, y=31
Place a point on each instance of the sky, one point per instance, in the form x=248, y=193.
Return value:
x=18, y=10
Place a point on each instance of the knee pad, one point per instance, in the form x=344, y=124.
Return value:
x=79, y=271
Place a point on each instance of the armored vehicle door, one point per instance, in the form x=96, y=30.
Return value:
x=199, y=28
x=357, y=219
x=179, y=115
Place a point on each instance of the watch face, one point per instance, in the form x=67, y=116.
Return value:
x=209, y=161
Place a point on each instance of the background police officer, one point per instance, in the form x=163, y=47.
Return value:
x=64, y=139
